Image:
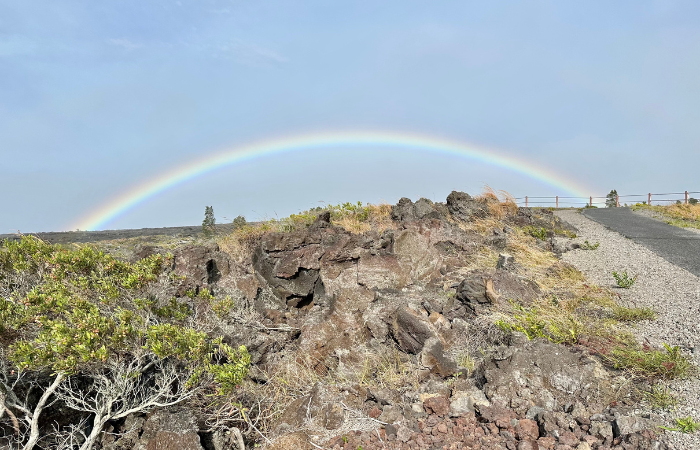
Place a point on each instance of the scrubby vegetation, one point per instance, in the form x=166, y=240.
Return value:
x=109, y=336
x=79, y=314
x=676, y=214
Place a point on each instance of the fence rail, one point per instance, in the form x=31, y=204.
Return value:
x=603, y=200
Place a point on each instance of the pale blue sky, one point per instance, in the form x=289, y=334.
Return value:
x=96, y=97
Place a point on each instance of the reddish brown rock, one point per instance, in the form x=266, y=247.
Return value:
x=527, y=429
x=437, y=405
x=568, y=438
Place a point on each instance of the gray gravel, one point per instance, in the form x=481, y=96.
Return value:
x=671, y=291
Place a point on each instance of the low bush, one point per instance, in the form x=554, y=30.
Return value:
x=82, y=313
x=536, y=232
x=624, y=280
x=588, y=246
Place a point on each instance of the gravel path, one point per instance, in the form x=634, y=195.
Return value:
x=678, y=245
x=671, y=291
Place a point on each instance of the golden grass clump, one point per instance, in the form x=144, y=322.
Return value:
x=500, y=205
x=677, y=214
x=358, y=218
x=682, y=211
x=353, y=217
x=523, y=247
x=239, y=243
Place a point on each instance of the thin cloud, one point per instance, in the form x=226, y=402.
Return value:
x=125, y=43
x=250, y=54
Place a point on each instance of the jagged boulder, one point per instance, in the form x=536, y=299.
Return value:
x=405, y=210
x=200, y=266
x=410, y=330
x=169, y=430
x=464, y=207
x=482, y=289
x=547, y=375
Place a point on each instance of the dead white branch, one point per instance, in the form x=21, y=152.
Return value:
x=126, y=387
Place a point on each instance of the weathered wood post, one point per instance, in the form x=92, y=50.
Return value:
x=617, y=201
x=526, y=201
x=686, y=197
x=590, y=201
x=558, y=202
x=649, y=199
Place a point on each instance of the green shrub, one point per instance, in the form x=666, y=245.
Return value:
x=66, y=310
x=623, y=280
x=588, y=246
x=239, y=222
x=536, y=232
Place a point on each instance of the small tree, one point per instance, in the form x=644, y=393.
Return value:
x=693, y=201
x=209, y=221
x=611, y=199
x=239, y=222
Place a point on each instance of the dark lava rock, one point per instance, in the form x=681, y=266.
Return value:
x=464, y=207
x=410, y=330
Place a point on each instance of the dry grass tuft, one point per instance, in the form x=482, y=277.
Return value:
x=499, y=205
x=389, y=369
x=240, y=243
x=527, y=253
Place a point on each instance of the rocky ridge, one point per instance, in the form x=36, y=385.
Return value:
x=388, y=339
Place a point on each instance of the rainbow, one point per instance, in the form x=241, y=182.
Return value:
x=98, y=218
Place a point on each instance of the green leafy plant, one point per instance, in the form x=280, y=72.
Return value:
x=611, y=199
x=536, y=232
x=588, y=246
x=534, y=322
x=623, y=279
x=684, y=425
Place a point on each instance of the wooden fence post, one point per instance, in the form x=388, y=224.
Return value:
x=558, y=202
x=649, y=199
x=617, y=201
x=526, y=201
x=686, y=197
x=590, y=202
